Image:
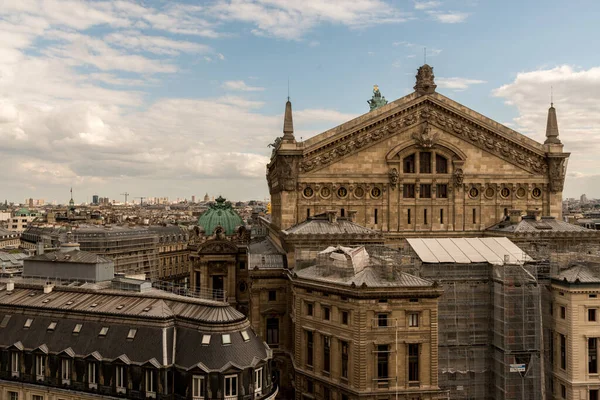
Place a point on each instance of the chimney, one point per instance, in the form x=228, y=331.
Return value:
x=10, y=286
x=48, y=287
x=40, y=248
x=332, y=216
x=534, y=214
x=515, y=216
x=352, y=215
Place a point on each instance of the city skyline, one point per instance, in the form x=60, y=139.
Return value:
x=177, y=99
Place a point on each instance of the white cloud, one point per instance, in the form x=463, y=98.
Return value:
x=220, y=56
x=314, y=43
x=291, y=19
x=576, y=98
x=449, y=17
x=457, y=84
x=425, y=5
x=134, y=40
x=241, y=86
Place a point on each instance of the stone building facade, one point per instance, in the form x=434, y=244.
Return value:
x=173, y=253
x=422, y=163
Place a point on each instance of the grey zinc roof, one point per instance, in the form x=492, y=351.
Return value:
x=322, y=226
x=548, y=224
x=578, y=274
x=468, y=250
x=373, y=276
x=75, y=256
x=265, y=254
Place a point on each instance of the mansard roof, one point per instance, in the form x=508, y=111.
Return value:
x=324, y=224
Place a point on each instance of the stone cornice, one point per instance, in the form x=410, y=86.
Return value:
x=437, y=115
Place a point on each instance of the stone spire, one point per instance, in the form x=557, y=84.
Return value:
x=288, y=123
x=552, y=127
x=425, y=83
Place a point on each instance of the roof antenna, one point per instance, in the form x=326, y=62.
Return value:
x=288, y=88
x=425, y=55
x=551, y=97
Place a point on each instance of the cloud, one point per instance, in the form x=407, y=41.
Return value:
x=241, y=86
x=314, y=43
x=220, y=56
x=457, y=84
x=291, y=20
x=425, y=5
x=136, y=41
x=576, y=98
x=449, y=17
x=431, y=51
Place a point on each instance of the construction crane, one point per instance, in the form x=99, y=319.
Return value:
x=125, y=194
x=141, y=200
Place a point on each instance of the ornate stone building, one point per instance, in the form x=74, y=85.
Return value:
x=421, y=165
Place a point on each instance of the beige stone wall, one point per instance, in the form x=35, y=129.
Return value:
x=577, y=329
x=27, y=391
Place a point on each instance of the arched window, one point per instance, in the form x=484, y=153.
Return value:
x=441, y=164
x=409, y=164
x=425, y=162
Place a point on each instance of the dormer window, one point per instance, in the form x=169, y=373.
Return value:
x=103, y=331
x=245, y=336
x=52, y=326
x=226, y=338
x=28, y=323
x=77, y=328
x=14, y=364
x=131, y=334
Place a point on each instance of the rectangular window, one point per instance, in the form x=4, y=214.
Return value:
x=326, y=393
x=273, y=331
x=441, y=164
x=413, y=319
x=425, y=162
x=563, y=391
x=13, y=396
x=425, y=216
x=409, y=191
x=563, y=312
x=14, y=362
x=441, y=215
x=413, y=362
x=344, y=346
x=37, y=397
x=592, y=355
x=375, y=216
x=563, y=352
x=551, y=346
x=258, y=380
x=92, y=373
x=345, y=317
x=231, y=387
x=326, y=313
x=309, y=348
x=198, y=387
x=242, y=264
x=272, y=295
x=382, y=320
x=120, y=376
x=309, y=309
x=592, y=314
x=40, y=366
x=409, y=164
x=474, y=215
x=382, y=363
x=326, y=353
x=442, y=191
x=425, y=192
x=307, y=213
x=149, y=380
x=65, y=369
x=593, y=394
x=342, y=212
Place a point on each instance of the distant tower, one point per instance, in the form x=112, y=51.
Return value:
x=206, y=198
x=193, y=199
x=72, y=202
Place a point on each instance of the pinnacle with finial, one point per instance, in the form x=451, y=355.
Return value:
x=288, y=123
x=552, y=126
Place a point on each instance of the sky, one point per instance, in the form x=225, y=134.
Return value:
x=181, y=98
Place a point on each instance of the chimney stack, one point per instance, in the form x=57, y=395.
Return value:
x=352, y=215
x=332, y=216
x=515, y=216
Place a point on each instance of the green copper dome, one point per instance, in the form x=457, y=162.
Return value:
x=221, y=214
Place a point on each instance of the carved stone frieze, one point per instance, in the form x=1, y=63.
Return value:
x=556, y=173
x=439, y=118
x=426, y=138
x=282, y=174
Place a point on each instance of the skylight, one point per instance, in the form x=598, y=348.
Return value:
x=104, y=331
x=226, y=337
x=52, y=326
x=120, y=307
x=205, y=340
x=28, y=323
x=245, y=336
x=131, y=334
x=77, y=328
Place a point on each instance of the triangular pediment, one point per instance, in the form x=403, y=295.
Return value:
x=436, y=111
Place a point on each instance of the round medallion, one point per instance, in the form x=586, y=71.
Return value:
x=521, y=192
x=243, y=287
x=489, y=192
x=536, y=193
x=308, y=192
x=325, y=192
x=359, y=192
x=342, y=192
x=375, y=192
x=473, y=192
x=505, y=192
